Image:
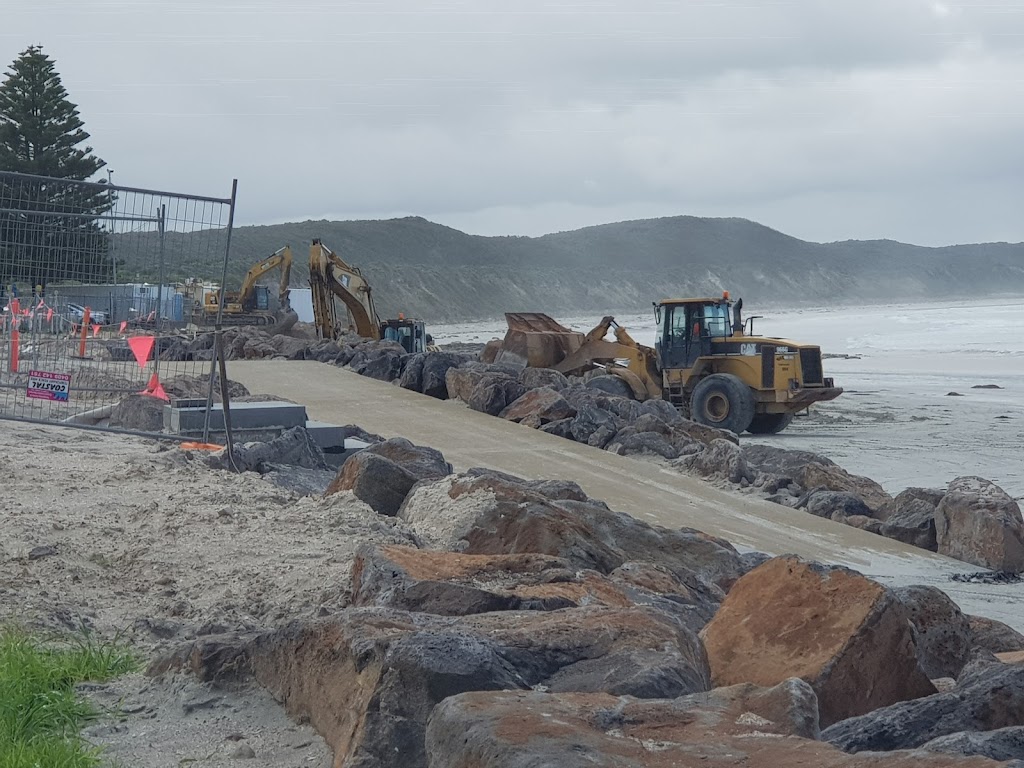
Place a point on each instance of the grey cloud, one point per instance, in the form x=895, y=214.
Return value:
x=540, y=116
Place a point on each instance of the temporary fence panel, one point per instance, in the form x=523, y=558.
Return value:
x=97, y=288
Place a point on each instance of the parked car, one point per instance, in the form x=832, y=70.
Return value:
x=76, y=312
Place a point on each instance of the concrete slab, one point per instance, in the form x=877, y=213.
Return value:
x=643, y=488
x=245, y=417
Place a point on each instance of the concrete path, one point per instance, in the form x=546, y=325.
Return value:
x=643, y=488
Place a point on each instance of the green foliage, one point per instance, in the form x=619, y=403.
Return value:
x=53, y=233
x=40, y=714
x=40, y=130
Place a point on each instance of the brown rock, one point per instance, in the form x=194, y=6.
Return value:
x=994, y=636
x=486, y=512
x=541, y=406
x=457, y=584
x=369, y=679
x=979, y=523
x=740, y=726
x=848, y=636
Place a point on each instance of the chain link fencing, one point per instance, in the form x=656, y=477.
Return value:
x=97, y=288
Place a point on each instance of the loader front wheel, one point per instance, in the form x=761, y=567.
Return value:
x=769, y=423
x=723, y=401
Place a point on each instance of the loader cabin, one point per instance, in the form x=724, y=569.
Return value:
x=411, y=334
x=687, y=327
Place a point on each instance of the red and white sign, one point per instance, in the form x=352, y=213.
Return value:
x=44, y=385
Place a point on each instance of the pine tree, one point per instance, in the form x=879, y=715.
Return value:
x=52, y=233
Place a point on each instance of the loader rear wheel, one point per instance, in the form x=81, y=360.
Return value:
x=724, y=401
x=769, y=423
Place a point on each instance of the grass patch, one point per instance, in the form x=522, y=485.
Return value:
x=40, y=713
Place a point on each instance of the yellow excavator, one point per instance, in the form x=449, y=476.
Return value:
x=251, y=304
x=706, y=361
x=331, y=277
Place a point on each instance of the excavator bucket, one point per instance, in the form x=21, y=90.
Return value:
x=537, y=340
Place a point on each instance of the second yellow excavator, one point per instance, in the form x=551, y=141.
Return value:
x=331, y=277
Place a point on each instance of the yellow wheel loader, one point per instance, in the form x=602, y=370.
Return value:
x=706, y=361
x=331, y=277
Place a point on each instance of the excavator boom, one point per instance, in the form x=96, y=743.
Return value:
x=330, y=276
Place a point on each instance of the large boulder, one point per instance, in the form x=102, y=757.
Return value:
x=779, y=468
x=642, y=444
x=942, y=634
x=427, y=372
x=722, y=459
x=991, y=697
x=383, y=474
x=835, y=505
x=1000, y=744
x=594, y=425
x=423, y=461
x=435, y=372
x=412, y=372
x=293, y=447
x=368, y=679
x=910, y=517
x=611, y=385
x=994, y=636
x=486, y=512
x=534, y=378
x=379, y=482
x=979, y=523
x=460, y=382
x=741, y=725
x=848, y=636
x=537, y=407
x=457, y=584
x=288, y=347
x=494, y=393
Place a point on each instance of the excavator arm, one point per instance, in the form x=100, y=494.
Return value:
x=329, y=277
x=281, y=258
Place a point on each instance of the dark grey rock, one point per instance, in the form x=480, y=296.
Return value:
x=293, y=447
x=991, y=697
x=823, y=503
x=1000, y=744
x=612, y=385
x=941, y=631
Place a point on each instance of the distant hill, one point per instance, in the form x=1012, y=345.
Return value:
x=444, y=275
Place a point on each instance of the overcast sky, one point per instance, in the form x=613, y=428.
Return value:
x=826, y=119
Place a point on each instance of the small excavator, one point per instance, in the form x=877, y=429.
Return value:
x=706, y=361
x=329, y=277
x=251, y=304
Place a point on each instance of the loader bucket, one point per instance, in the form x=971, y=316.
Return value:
x=536, y=340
